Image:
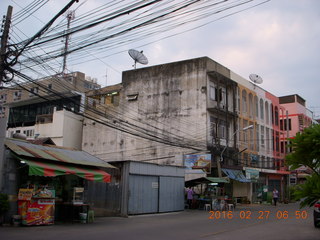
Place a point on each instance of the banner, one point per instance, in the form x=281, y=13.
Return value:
x=198, y=163
x=252, y=174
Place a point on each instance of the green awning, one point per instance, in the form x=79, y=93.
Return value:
x=218, y=180
x=53, y=169
x=204, y=180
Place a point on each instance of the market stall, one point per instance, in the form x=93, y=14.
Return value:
x=52, y=182
x=210, y=190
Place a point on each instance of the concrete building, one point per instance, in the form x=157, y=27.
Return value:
x=48, y=108
x=204, y=108
x=296, y=118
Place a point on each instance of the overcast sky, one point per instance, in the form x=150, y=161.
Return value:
x=279, y=40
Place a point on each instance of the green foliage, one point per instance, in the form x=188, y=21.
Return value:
x=306, y=149
x=4, y=203
x=309, y=192
x=306, y=152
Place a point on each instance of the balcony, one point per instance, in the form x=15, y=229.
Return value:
x=45, y=118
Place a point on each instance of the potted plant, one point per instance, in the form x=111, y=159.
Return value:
x=4, y=206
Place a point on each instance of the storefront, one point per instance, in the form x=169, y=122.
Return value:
x=209, y=190
x=47, y=183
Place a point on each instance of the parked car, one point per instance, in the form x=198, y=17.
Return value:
x=316, y=214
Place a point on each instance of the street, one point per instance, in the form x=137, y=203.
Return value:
x=246, y=222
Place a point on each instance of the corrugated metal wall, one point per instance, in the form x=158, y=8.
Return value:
x=171, y=192
x=143, y=194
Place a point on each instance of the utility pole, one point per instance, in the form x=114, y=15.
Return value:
x=3, y=121
x=4, y=43
x=70, y=16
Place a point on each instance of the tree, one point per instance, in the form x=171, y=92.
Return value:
x=306, y=152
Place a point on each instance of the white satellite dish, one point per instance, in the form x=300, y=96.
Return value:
x=255, y=78
x=138, y=57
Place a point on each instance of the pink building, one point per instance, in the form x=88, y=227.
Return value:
x=294, y=120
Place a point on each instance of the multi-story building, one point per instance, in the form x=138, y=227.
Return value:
x=164, y=112
x=295, y=118
x=47, y=108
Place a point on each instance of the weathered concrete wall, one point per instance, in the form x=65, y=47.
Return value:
x=170, y=103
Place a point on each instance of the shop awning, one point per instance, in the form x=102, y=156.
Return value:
x=54, y=153
x=51, y=161
x=235, y=175
x=203, y=180
x=53, y=169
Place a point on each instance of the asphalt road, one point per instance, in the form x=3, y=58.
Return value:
x=255, y=222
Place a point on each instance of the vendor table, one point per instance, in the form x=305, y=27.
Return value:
x=71, y=212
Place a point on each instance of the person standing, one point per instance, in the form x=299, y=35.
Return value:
x=275, y=196
x=189, y=197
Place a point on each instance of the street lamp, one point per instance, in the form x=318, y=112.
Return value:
x=224, y=149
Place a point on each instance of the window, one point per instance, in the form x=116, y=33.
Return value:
x=267, y=112
x=276, y=116
x=262, y=136
x=132, y=97
x=17, y=95
x=251, y=138
x=250, y=105
x=272, y=115
x=244, y=101
x=283, y=124
x=257, y=137
x=222, y=130
x=261, y=109
x=222, y=97
x=49, y=88
x=34, y=91
x=256, y=106
x=267, y=139
x=213, y=93
x=277, y=142
x=3, y=98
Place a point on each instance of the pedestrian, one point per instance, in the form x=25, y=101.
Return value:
x=275, y=196
x=189, y=196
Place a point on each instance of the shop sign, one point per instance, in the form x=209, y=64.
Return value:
x=25, y=194
x=198, y=163
x=252, y=174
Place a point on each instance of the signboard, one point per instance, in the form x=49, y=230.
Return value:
x=293, y=178
x=252, y=174
x=25, y=194
x=40, y=212
x=198, y=163
x=254, y=158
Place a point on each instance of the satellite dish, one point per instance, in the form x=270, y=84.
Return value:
x=138, y=57
x=255, y=78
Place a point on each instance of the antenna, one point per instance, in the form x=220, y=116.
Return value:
x=138, y=57
x=70, y=16
x=256, y=79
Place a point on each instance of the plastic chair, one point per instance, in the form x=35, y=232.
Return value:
x=207, y=207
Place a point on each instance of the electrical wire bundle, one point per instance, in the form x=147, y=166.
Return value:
x=107, y=30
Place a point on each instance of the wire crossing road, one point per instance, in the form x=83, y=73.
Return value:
x=283, y=222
